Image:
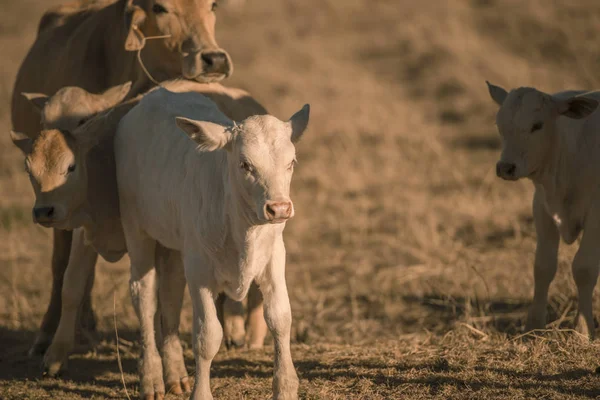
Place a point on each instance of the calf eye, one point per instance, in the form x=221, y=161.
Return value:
x=158, y=9
x=71, y=168
x=214, y=6
x=81, y=122
x=246, y=166
x=537, y=126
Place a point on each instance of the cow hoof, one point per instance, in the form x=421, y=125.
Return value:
x=55, y=359
x=179, y=387
x=41, y=344
x=232, y=343
x=153, y=396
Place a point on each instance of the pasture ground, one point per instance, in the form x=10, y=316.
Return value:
x=409, y=262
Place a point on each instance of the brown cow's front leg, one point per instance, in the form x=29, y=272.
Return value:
x=60, y=258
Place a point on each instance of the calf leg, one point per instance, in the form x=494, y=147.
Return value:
x=585, y=272
x=546, y=261
x=278, y=316
x=207, y=332
x=61, y=247
x=81, y=265
x=257, y=327
x=143, y=287
x=233, y=323
x=171, y=284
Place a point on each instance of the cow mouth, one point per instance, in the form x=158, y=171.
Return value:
x=51, y=224
x=210, y=77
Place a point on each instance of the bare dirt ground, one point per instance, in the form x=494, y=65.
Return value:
x=409, y=262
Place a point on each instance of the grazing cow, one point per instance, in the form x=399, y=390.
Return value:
x=87, y=197
x=93, y=44
x=553, y=140
x=219, y=194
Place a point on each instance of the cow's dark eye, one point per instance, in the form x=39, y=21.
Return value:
x=81, y=122
x=246, y=166
x=71, y=168
x=537, y=126
x=158, y=9
x=214, y=6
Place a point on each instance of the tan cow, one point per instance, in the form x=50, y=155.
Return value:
x=93, y=45
x=553, y=140
x=84, y=194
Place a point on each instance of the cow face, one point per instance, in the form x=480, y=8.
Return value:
x=55, y=162
x=190, y=48
x=261, y=158
x=526, y=122
x=55, y=159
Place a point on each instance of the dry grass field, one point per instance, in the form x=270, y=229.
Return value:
x=409, y=262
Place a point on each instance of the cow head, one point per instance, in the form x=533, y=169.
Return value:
x=55, y=159
x=190, y=48
x=526, y=121
x=261, y=157
x=71, y=106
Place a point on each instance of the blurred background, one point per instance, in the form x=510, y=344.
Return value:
x=401, y=226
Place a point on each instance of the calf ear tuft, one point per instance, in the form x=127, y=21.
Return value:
x=497, y=93
x=38, y=100
x=22, y=141
x=207, y=135
x=299, y=122
x=578, y=107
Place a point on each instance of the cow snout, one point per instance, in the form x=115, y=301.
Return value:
x=215, y=62
x=43, y=214
x=278, y=211
x=506, y=170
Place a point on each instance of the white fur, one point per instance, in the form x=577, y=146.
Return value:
x=203, y=205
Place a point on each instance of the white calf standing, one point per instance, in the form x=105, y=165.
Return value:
x=192, y=180
x=554, y=140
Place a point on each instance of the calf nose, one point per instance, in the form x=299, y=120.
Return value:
x=215, y=62
x=43, y=213
x=505, y=169
x=278, y=210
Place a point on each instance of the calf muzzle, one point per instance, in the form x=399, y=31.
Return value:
x=278, y=211
x=506, y=170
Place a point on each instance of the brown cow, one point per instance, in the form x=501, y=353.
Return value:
x=93, y=44
x=85, y=195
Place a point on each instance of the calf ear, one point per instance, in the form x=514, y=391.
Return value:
x=22, y=141
x=299, y=122
x=497, y=93
x=207, y=135
x=134, y=18
x=38, y=100
x=577, y=107
x=115, y=94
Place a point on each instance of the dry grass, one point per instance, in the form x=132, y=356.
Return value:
x=409, y=263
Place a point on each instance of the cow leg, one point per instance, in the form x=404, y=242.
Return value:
x=257, y=327
x=81, y=265
x=171, y=286
x=233, y=323
x=207, y=332
x=61, y=247
x=586, y=266
x=87, y=319
x=546, y=261
x=278, y=315
x=143, y=287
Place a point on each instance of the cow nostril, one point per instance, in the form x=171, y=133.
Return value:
x=207, y=59
x=270, y=210
x=50, y=212
x=510, y=170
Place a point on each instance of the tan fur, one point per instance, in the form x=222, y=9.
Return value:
x=92, y=44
